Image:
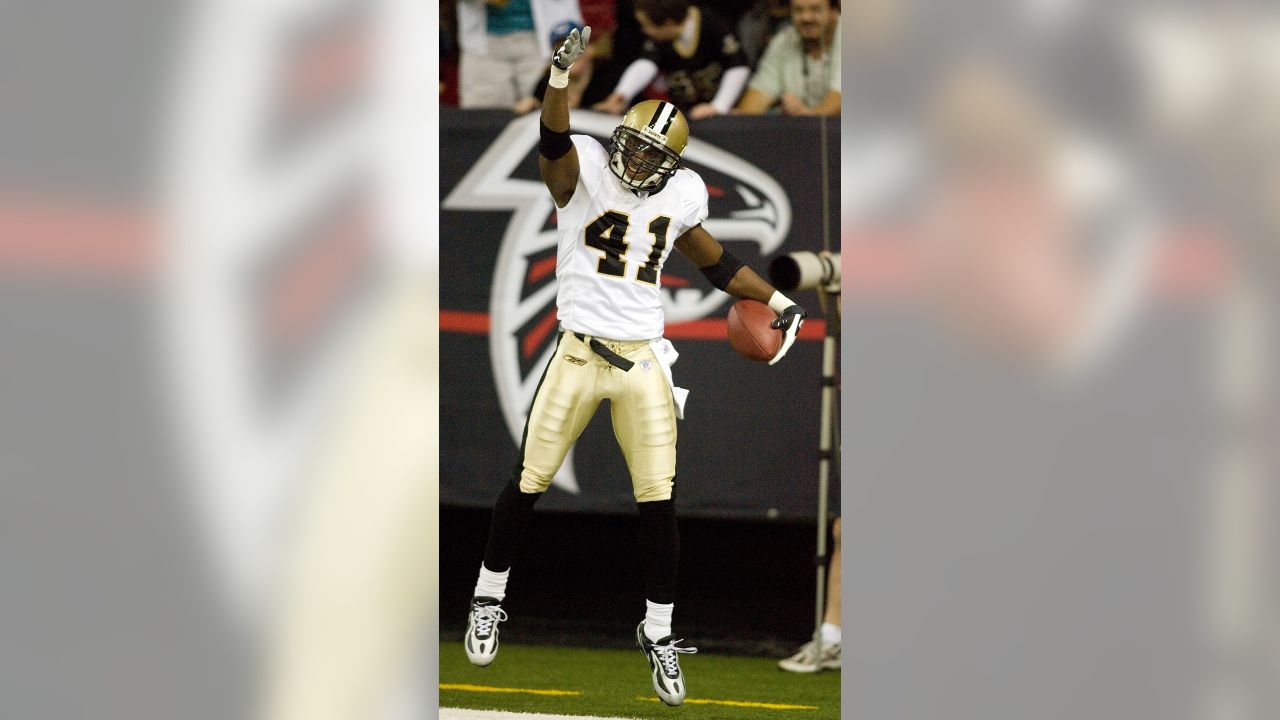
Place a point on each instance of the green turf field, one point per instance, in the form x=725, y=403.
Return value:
x=577, y=681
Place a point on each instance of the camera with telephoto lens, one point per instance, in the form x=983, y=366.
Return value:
x=806, y=271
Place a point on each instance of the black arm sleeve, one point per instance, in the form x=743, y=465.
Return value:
x=722, y=272
x=553, y=145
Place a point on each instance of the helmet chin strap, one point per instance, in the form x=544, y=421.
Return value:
x=646, y=185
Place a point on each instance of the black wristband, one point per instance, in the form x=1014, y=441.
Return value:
x=723, y=271
x=553, y=145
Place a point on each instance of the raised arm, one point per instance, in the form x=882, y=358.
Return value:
x=729, y=274
x=557, y=158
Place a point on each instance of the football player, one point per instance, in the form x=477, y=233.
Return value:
x=621, y=211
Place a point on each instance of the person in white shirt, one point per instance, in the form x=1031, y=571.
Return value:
x=504, y=47
x=621, y=211
x=800, y=70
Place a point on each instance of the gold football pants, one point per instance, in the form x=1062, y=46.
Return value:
x=643, y=412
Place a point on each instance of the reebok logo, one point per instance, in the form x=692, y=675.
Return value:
x=574, y=360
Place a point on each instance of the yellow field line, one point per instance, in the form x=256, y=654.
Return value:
x=740, y=703
x=490, y=689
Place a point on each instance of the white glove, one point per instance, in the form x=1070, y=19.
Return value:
x=572, y=49
x=789, y=322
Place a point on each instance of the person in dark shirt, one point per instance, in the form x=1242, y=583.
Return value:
x=697, y=52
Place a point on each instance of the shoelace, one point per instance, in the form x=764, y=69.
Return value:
x=669, y=654
x=827, y=648
x=810, y=650
x=486, y=616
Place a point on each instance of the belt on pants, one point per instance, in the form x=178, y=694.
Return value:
x=603, y=351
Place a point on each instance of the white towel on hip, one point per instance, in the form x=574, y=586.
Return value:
x=667, y=356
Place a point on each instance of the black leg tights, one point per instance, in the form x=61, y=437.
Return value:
x=659, y=549
x=506, y=529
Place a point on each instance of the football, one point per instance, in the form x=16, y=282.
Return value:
x=749, y=331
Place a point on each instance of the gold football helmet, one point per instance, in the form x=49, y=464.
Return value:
x=648, y=144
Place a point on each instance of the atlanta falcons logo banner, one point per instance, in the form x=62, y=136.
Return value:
x=748, y=446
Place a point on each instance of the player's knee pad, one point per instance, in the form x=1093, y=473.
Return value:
x=532, y=481
x=649, y=491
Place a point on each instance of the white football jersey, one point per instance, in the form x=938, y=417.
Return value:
x=613, y=244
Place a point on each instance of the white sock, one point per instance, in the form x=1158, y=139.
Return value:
x=657, y=620
x=830, y=634
x=491, y=584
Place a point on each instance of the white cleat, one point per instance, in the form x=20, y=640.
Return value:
x=809, y=660
x=482, y=630
x=664, y=665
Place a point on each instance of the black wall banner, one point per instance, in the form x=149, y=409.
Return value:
x=748, y=446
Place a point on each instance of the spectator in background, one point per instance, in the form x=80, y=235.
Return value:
x=758, y=24
x=815, y=656
x=579, y=75
x=697, y=51
x=614, y=52
x=504, y=49
x=800, y=71
x=449, y=54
